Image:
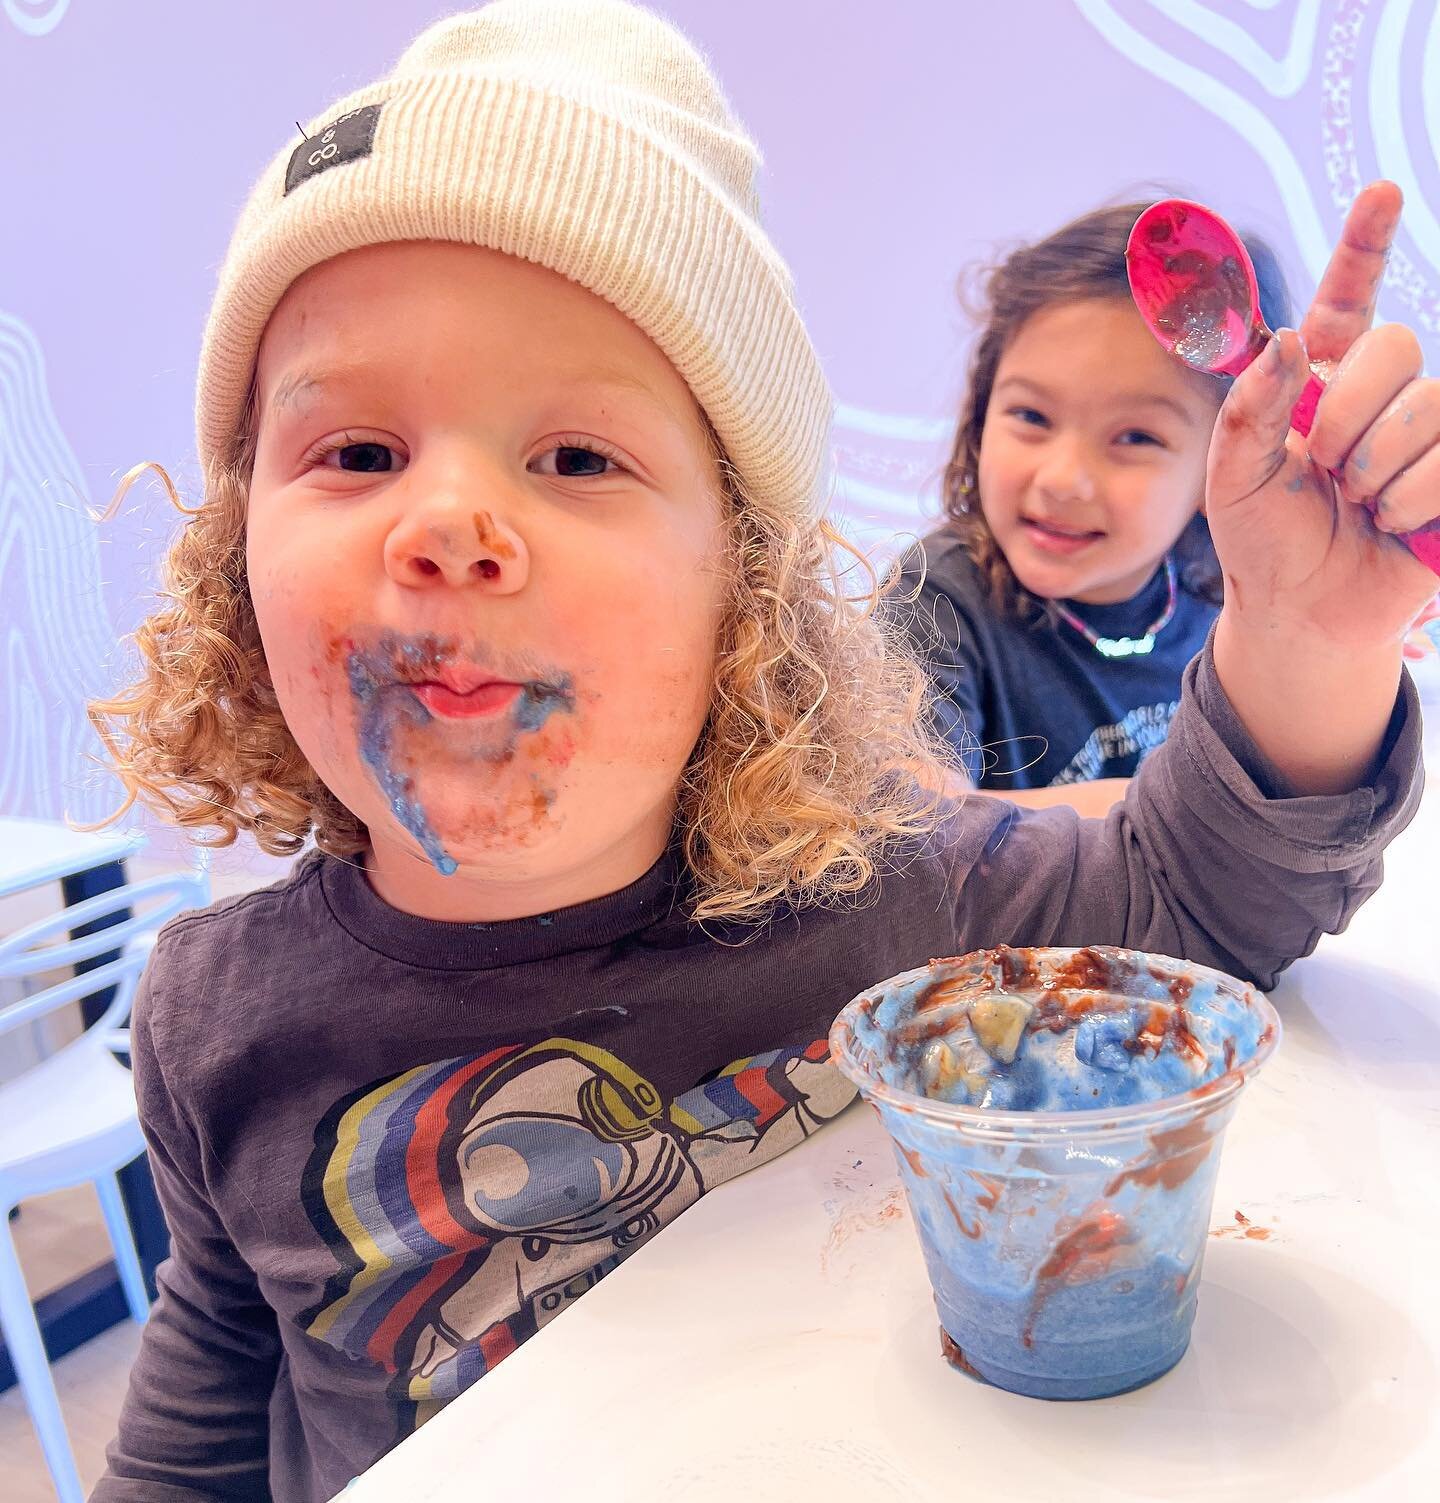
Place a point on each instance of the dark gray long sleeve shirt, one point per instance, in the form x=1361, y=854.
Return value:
x=390, y=1149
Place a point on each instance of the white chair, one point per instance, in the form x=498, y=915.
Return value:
x=72, y=1118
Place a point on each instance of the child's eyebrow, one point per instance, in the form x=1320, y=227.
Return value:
x=1025, y=383
x=619, y=383
x=291, y=389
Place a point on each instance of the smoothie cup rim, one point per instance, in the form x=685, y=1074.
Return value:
x=1008, y=1123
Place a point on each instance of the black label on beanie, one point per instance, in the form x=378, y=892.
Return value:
x=345, y=140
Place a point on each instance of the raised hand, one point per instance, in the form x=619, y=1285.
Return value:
x=1319, y=595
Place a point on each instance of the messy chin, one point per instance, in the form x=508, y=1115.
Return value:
x=466, y=800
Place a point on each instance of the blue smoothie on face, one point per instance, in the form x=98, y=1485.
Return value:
x=1057, y=1117
x=381, y=679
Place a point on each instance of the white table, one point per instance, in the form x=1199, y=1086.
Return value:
x=780, y=1340
x=33, y=851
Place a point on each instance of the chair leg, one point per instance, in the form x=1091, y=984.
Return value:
x=32, y=1368
x=127, y=1260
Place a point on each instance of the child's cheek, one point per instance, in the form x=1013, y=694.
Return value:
x=308, y=670
x=331, y=705
x=304, y=657
x=549, y=750
x=643, y=686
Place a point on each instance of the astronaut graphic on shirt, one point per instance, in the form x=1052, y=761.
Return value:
x=468, y=1202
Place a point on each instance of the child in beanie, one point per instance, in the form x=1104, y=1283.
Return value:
x=510, y=592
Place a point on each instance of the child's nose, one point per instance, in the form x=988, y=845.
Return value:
x=457, y=546
x=1066, y=472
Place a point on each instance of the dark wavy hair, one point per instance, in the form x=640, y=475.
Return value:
x=1084, y=259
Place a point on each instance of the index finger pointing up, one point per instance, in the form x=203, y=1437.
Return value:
x=1344, y=304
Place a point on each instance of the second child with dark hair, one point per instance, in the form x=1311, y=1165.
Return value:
x=1073, y=578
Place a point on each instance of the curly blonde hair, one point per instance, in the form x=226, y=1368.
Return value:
x=816, y=766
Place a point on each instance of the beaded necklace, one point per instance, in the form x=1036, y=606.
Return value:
x=1126, y=647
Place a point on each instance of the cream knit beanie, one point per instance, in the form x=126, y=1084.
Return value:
x=587, y=136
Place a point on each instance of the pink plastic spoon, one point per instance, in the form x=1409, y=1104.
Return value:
x=1194, y=285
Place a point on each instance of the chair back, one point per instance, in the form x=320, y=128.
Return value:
x=121, y=926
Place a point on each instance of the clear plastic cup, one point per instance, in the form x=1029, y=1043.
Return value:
x=1064, y=1244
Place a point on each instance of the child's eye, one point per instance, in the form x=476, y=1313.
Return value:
x=1136, y=436
x=1031, y=416
x=362, y=456
x=576, y=460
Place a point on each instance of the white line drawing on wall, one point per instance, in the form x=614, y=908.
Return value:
x=36, y=18
x=1346, y=136
x=1282, y=76
x=1191, y=79
x=1388, y=83
x=1362, y=108
x=56, y=637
